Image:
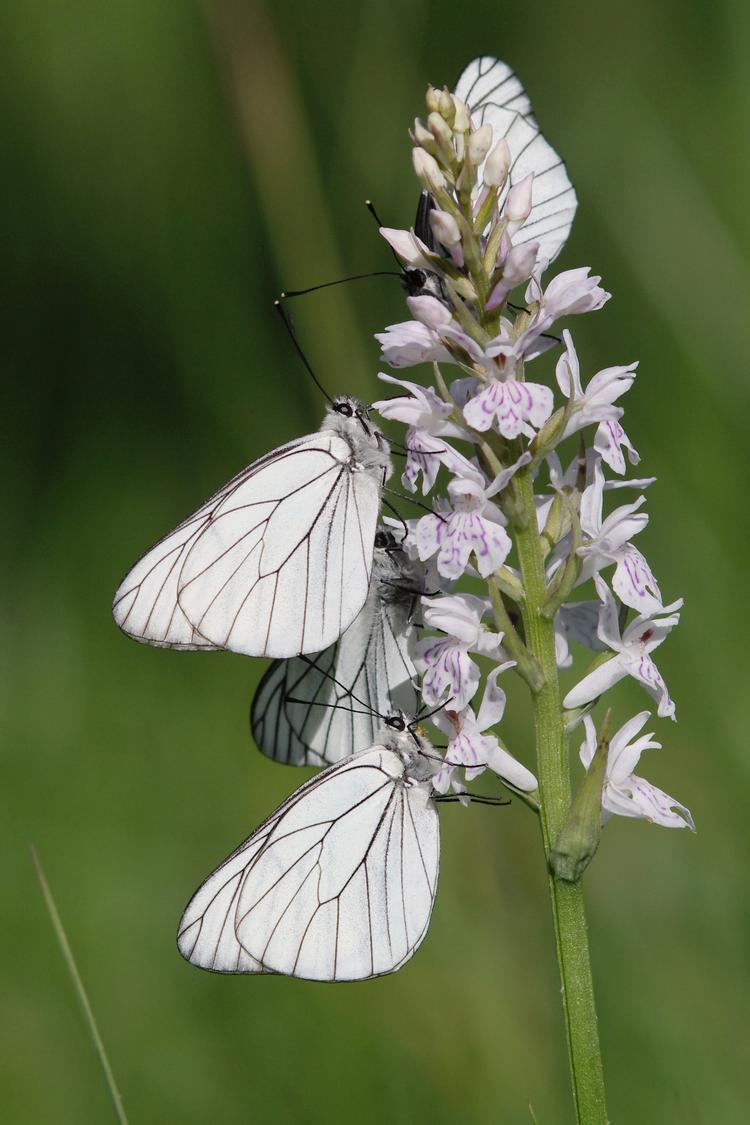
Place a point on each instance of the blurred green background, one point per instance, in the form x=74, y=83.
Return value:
x=167, y=169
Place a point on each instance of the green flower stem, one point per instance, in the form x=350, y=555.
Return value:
x=568, y=911
x=526, y=664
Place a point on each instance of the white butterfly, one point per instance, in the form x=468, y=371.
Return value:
x=494, y=94
x=316, y=711
x=339, y=883
x=278, y=562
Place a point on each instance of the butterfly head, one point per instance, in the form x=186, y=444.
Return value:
x=423, y=283
x=398, y=722
x=346, y=410
x=401, y=734
x=350, y=419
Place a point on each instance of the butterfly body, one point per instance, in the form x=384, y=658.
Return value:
x=278, y=561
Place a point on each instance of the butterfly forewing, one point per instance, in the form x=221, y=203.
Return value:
x=277, y=563
x=338, y=885
x=494, y=94
x=315, y=711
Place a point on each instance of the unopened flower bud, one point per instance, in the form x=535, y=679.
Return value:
x=445, y=228
x=462, y=122
x=429, y=311
x=551, y=433
x=442, y=133
x=558, y=521
x=518, y=202
x=446, y=107
x=466, y=178
x=427, y=169
x=576, y=845
x=464, y=288
x=432, y=100
x=479, y=144
x=518, y=266
x=497, y=166
x=422, y=136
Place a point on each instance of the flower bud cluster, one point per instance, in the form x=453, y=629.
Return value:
x=486, y=438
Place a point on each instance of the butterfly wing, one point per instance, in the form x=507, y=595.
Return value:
x=278, y=562
x=495, y=95
x=338, y=885
x=206, y=937
x=316, y=711
x=145, y=605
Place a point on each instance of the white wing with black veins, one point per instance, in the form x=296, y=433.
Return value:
x=277, y=563
x=337, y=885
x=494, y=94
x=315, y=711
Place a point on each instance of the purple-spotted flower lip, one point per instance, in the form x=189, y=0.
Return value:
x=469, y=746
x=428, y=419
x=511, y=407
x=624, y=793
x=444, y=661
x=631, y=651
x=472, y=526
x=595, y=404
x=608, y=541
x=610, y=440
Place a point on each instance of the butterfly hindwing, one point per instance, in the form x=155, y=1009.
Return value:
x=314, y=711
x=207, y=937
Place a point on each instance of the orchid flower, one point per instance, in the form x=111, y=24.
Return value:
x=623, y=792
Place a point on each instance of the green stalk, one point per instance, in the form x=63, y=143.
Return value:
x=568, y=910
x=83, y=999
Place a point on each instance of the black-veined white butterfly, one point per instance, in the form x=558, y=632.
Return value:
x=315, y=711
x=494, y=95
x=278, y=562
x=339, y=883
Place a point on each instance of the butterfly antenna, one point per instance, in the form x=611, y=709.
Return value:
x=297, y=347
x=332, y=706
x=398, y=447
x=369, y=710
x=473, y=798
x=341, y=281
x=420, y=718
x=418, y=503
x=544, y=335
x=399, y=517
x=371, y=208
